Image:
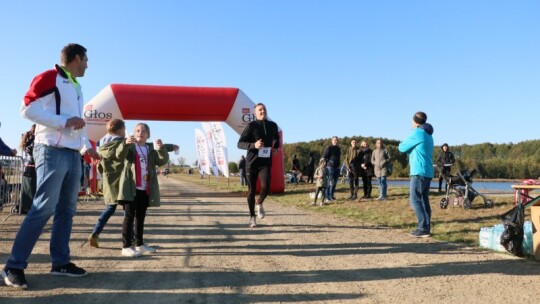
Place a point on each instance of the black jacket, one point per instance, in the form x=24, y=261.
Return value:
x=332, y=155
x=259, y=129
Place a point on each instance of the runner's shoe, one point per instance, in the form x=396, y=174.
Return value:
x=145, y=249
x=260, y=211
x=68, y=270
x=14, y=277
x=252, y=222
x=131, y=252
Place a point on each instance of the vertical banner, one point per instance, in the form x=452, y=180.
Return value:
x=212, y=155
x=202, y=151
x=220, y=147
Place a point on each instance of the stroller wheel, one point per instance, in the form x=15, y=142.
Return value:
x=14, y=210
x=488, y=203
x=467, y=204
x=444, y=203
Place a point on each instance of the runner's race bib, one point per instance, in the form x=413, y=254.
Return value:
x=264, y=152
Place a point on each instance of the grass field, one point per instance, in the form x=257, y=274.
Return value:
x=453, y=224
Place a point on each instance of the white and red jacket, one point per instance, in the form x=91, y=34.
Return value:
x=51, y=100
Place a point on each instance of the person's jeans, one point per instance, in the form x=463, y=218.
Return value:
x=104, y=218
x=383, y=186
x=332, y=182
x=58, y=183
x=243, y=180
x=419, y=198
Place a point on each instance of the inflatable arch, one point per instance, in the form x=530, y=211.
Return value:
x=173, y=103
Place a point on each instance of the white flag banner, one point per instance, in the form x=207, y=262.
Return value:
x=209, y=139
x=220, y=147
x=202, y=151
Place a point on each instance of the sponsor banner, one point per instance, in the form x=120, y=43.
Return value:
x=202, y=151
x=220, y=147
x=210, y=140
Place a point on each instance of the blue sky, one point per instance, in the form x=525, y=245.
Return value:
x=323, y=68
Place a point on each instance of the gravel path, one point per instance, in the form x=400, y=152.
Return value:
x=206, y=254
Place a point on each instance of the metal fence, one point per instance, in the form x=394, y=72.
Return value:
x=11, y=173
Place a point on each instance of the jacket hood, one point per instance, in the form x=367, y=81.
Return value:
x=427, y=127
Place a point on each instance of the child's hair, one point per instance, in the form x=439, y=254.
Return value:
x=115, y=125
x=145, y=126
x=322, y=160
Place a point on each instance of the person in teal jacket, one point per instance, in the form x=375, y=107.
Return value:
x=419, y=148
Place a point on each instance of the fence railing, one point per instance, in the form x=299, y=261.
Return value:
x=11, y=175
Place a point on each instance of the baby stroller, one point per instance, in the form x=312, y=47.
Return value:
x=459, y=191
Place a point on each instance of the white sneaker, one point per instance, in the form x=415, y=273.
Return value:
x=252, y=222
x=260, y=211
x=145, y=249
x=131, y=252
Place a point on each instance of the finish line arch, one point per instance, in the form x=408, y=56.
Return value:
x=176, y=103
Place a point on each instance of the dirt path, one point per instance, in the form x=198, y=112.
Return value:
x=208, y=255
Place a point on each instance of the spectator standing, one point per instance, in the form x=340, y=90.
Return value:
x=380, y=160
x=444, y=163
x=310, y=167
x=332, y=156
x=322, y=175
x=113, y=151
x=366, y=168
x=54, y=102
x=242, y=170
x=352, y=162
x=28, y=187
x=259, y=138
x=419, y=148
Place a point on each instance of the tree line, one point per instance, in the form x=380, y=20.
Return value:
x=492, y=161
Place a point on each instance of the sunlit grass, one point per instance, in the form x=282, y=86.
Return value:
x=453, y=224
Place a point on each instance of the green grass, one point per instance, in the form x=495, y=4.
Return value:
x=453, y=224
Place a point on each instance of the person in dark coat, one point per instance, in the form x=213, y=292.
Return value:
x=332, y=156
x=260, y=138
x=444, y=164
x=310, y=168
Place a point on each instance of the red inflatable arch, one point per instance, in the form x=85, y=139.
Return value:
x=172, y=103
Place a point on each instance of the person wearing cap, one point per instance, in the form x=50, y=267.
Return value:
x=444, y=163
x=419, y=148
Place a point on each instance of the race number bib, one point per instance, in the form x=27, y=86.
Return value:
x=264, y=152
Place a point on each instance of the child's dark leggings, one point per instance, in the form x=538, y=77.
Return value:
x=321, y=190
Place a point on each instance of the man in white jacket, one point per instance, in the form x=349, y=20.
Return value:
x=54, y=103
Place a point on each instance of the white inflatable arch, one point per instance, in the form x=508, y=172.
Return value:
x=173, y=103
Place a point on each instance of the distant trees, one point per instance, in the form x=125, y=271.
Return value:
x=508, y=161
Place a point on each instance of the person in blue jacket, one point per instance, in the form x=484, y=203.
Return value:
x=419, y=148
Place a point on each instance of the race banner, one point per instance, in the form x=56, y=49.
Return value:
x=202, y=151
x=210, y=140
x=220, y=147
